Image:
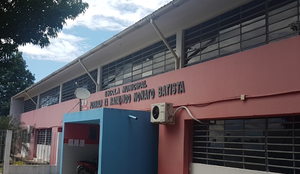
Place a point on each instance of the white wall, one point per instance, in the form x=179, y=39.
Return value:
x=212, y=169
x=72, y=154
x=43, y=153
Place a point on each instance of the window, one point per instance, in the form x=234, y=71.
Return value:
x=29, y=104
x=251, y=25
x=84, y=81
x=150, y=61
x=44, y=136
x=264, y=144
x=50, y=97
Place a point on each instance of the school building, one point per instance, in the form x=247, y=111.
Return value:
x=214, y=86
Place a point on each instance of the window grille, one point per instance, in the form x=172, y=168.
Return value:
x=29, y=105
x=25, y=136
x=150, y=61
x=264, y=144
x=50, y=97
x=44, y=136
x=251, y=25
x=84, y=81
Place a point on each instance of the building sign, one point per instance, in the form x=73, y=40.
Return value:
x=118, y=96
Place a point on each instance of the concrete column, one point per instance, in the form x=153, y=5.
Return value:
x=99, y=78
x=54, y=140
x=7, y=151
x=16, y=107
x=180, y=47
x=60, y=92
x=59, y=151
x=38, y=102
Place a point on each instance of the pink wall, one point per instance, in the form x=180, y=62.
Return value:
x=80, y=132
x=268, y=75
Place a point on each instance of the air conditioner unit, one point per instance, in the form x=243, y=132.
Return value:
x=161, y=113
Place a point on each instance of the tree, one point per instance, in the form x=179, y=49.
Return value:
x=10, y=123
x=14, y=77
x=34, y=21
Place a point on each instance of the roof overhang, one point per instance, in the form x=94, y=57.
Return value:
x=174, y=16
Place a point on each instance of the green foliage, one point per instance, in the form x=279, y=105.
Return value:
x=34, y=21
x=19, y=163
x=10, y=123
x=14, y=77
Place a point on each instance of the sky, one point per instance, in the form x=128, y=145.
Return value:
x=102, y=20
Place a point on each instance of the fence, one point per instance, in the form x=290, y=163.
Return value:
x=2, y=148
x=32, y=148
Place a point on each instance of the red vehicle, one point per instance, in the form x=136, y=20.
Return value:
x=87, y=167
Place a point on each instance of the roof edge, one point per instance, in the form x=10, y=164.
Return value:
x=154, y=15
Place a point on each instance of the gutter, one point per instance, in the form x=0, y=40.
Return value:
x=146, y=20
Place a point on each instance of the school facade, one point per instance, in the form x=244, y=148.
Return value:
x=232, y=66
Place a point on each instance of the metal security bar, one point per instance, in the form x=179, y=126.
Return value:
x=44, y=136
x=264, y=144
x=150, y=61
x=49, y=97
x=29, y=104
x=251, y=25
x=32, y=148
x=84, y=81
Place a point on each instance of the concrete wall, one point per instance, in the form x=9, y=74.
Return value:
x=211, y=169
x=16, y=107
x=72, y=154
x=33, y=169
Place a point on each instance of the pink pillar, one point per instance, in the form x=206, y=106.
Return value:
x=54, y=145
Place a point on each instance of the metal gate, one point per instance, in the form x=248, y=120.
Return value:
x=2, y=148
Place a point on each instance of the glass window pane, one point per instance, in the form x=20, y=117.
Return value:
x=206, y=46
x=281, y=33
x=253, y=42
x=148, y=73
x=255, y=160
x=255, y=167
x=230, y=49
x=282, y=8
x=255, y=25
x=158, y=70
x=210, y=55
x=170, y=67
x=230, y=41
x=260, y=153
x=283, y=15
x=282, y=24
x=229, y=34
x=254, y=33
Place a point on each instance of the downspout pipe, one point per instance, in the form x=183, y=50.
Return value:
x=97, y=85
x=165, y=42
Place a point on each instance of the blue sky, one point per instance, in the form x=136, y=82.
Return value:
x=102, y=20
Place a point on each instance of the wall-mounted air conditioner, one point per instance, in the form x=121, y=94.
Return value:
x=161, y=113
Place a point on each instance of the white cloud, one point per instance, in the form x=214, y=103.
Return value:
x=64, y=48
x=114, y=15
